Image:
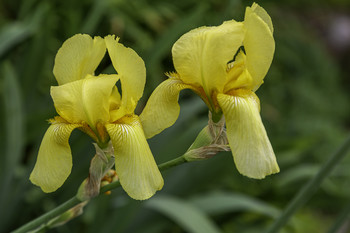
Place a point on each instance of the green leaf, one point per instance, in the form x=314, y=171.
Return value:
x=17, y=32
x=222, y=203
x=342, y=220
x=183, y=213
x=14, y=122
x=297, y=173
x=14, y=118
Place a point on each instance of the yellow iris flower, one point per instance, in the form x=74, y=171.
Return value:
x=94, y=105
x=224, y=65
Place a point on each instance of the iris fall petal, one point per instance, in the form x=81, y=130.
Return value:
x=251, y=148
x=54, y=162
x=134, y=163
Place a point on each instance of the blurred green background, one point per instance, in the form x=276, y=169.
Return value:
x=304, y=102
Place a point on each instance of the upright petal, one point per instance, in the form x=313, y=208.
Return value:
x=238, y=76
x=134, y=163
x=251, y=148
x=263, y=15
x=79, y=55
x=85, y=100
x=131, y=69
x=162, y=108
x=201, y=55
x=54, y=162
x=258, y=43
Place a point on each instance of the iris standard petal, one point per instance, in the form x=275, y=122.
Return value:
x=114, y=99
x=201, y=55
x=134, y=163
x=251, y=148
x=238, y=76
x=263, y=15
x=85, y=100
x=162, y=108
x=258, y=43
x=79, y=55
x=54, y=162
x=131, y=69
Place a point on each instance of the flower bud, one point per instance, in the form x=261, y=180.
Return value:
x=211, y=140
x=100, y=164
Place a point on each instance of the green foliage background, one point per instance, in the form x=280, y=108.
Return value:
x=304, y=102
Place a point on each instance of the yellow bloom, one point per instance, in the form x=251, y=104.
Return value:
x=224, y=65
x=93, y=104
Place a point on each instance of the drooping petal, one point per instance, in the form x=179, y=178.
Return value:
x=162, y=108
x=258, y=43
x=54, y=162
x=131, y=69
x=79, y=55
x=134, y=163
x=85, y=100
x=201, y=55
x=251, y=148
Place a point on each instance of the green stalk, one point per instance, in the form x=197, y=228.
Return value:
x=310, y=188
x=32, y=225
x=172, y=163
x=43, y=219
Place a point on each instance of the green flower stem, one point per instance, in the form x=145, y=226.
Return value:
x=310, y=188
x=75, y=201
x=43, y=219
x=172, y=163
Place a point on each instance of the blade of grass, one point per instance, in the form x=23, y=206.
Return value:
x=341, y=220
x=94, y=17
x=14, y=121
x=224, y=202
x=310, y=188
x=183, y=213
x=17, y=32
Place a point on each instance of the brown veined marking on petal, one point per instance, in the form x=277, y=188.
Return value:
x=85, y=128
x=216, y=106
x=102, y=133
x=58, y=119
x=127, y=119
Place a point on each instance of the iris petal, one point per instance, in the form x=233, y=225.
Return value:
x=85, y=100
x=251, y=148
x=162, y=108
x=258, y=43
x=201, y=55
x=238, y=76
x=79, y=55
x=263, y=15
x=131, y=69
x=54, y=162
x=134, y=163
